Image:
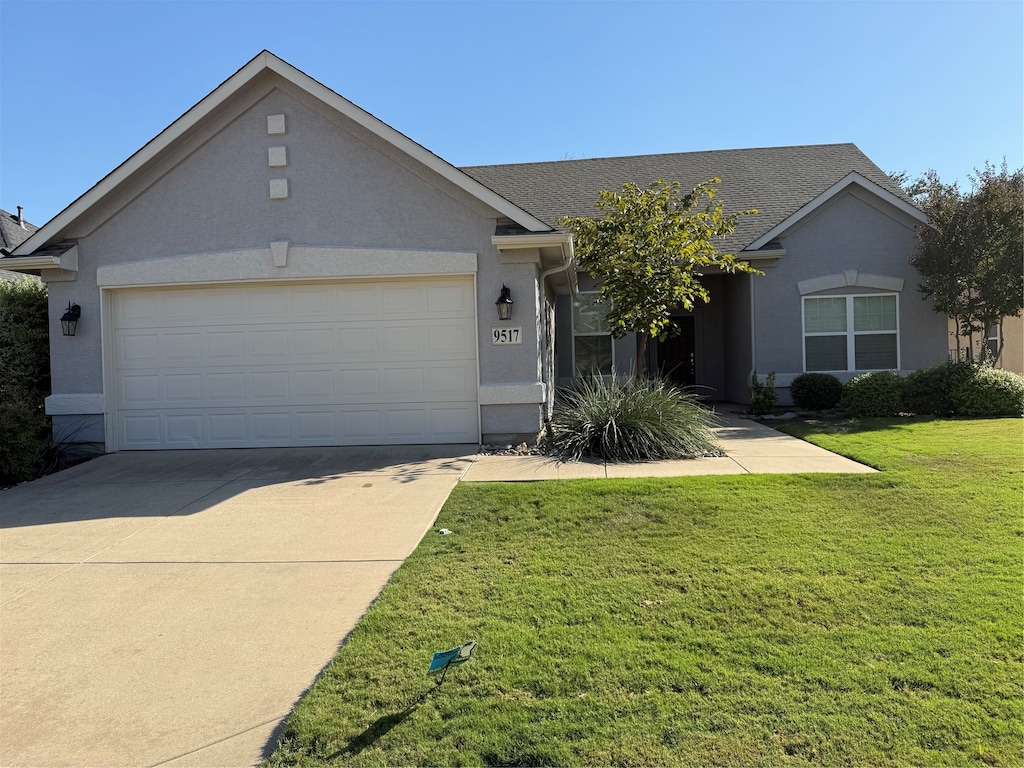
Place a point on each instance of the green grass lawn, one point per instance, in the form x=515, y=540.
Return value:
x=727, y=620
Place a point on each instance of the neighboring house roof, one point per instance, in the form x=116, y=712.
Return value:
x=265, y=61
x=12, y=277
x=777, y=181
x=13, y=232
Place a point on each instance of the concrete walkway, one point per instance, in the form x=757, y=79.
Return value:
x=171, y=608
x=750, y=447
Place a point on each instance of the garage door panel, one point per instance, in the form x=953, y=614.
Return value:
x=399, y=424
x=325, y=364
x=387, y=384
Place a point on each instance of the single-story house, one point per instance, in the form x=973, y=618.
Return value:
x=278, y=267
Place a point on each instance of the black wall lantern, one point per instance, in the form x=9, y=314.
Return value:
x=69, y=322
x=504, y=304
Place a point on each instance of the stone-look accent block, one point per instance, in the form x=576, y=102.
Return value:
x=275, y=125
x=277, y=157
x=279, y=250
x=278, y=189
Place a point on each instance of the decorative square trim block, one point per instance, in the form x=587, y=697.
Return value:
x=275, y=125
x=277, y=156
x=278, y=189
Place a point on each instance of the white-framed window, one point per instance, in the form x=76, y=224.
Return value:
x=592, y=340
x=851, y=333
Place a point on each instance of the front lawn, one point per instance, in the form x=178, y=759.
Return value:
x=726, y=620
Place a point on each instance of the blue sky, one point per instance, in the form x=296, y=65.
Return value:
x=916, y=85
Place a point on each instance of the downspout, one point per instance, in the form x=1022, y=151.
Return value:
x=753, y=335
x=567, y=261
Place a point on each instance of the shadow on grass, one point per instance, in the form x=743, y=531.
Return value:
x=841, y=425
x=379, y=728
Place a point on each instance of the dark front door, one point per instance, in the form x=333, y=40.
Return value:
x=676, y=354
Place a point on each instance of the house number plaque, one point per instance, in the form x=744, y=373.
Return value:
x=506, y=335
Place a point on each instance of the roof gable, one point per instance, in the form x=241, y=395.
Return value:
x=264, y=62
x=851, y=179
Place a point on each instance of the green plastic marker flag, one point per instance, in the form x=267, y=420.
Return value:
x=444, y=659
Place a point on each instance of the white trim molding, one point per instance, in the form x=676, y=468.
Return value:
x=851, y=178
x=303, y=263
x=850, y=278
x=66, y=260
x=74, y=405
x=512, y=394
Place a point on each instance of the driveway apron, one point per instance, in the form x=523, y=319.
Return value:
x=170, y=608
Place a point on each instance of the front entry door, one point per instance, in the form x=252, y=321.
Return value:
x=676, y=355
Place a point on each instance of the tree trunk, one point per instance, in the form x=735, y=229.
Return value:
x=956, y=335
x=641, y=355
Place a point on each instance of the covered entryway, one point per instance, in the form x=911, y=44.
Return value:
x=357, y=362
x=677, y=354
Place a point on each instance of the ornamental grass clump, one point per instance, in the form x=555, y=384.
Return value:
x=639, y=420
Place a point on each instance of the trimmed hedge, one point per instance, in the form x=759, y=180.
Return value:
x=816, y=391
x=989, y=392
x=878, y=393
x=24, y=380
x=949, y=389
x=930, y=390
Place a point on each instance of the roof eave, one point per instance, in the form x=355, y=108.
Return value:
x=67, y=259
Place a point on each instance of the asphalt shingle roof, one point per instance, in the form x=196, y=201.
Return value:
x=777, y=181
x=12, y=234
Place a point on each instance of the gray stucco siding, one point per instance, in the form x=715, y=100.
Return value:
x=346, y=188
x=854, y=231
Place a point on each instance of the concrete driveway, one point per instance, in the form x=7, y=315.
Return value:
x=170, y=608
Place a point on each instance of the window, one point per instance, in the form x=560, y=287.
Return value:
x=863, y=330
x=992, y=339
x=592, y=341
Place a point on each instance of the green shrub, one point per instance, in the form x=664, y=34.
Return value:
x=24, y=442
x=816, y=391
x=24, y=380
x=879, y=393
x=929, y=390
x=989, y=392
x=762, y=396
x=639, y=420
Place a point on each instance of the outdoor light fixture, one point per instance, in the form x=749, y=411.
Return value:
x=69, y=322
x=504, y=303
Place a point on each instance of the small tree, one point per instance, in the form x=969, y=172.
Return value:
x=649, y=251
x=970, y=256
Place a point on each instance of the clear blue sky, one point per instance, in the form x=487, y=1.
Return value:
x=916, y=85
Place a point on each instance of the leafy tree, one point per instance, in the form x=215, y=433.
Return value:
x=649, y=251
x=970, y=256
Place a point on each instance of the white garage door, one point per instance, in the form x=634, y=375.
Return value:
x=353, y=363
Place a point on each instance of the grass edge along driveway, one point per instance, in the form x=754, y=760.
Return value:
x=760, y=619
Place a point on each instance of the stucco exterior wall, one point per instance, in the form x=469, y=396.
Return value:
x=346, y=188
x=737, y=349
x=854, y=231
x=1012, y=357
